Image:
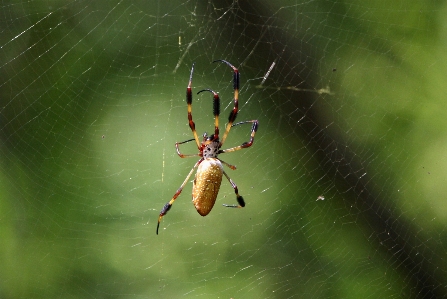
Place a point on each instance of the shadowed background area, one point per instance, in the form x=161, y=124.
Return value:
x=345, y=184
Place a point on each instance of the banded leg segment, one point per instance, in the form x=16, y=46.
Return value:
x=235, y=110
x=183, y=155
x=168, y=205
x=254, y=128
x=240, y=199
x=216, y=111
x=192, y=125
x=228, y=165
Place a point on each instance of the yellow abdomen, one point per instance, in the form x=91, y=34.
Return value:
x=206, y=185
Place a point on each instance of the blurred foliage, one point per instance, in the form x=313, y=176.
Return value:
x=345, y=183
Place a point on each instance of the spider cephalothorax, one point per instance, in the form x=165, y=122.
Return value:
x=210, y=146
x=209, y=174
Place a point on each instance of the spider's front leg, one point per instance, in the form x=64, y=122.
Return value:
x=192, y=125
x=233, y=113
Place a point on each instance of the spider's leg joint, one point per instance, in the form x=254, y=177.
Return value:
x=254, y=128
x=165, y=209
x=189, y=103
x=163, y=212
x=226, y=62
x=241, y=201
x=216, y=111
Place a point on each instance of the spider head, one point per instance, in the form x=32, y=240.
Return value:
x=209, y=138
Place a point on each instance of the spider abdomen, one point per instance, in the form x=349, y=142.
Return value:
x=206, y=185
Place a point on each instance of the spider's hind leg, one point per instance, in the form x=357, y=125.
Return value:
x=240, y=199
x=168, y=205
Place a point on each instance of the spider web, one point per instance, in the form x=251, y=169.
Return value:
x=344, y=184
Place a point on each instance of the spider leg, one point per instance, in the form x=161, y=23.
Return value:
x=233, y=113
x=168, y=205
x=254, y=128
x=182, y=155
x=216, y=111
x=192, y=125
x=229, y=165
x=240, y=199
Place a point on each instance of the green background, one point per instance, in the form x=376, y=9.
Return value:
x=93, y=101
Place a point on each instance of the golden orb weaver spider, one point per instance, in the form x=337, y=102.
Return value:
x=208, y=178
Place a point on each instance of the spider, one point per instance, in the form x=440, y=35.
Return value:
x=209, y=167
